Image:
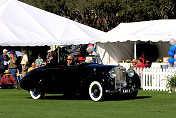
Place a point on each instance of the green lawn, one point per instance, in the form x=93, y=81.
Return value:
x=149, y=104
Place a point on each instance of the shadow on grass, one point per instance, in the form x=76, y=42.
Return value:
x=77, y=97
x=80, y=97
x=64, y=98
x=124, y=97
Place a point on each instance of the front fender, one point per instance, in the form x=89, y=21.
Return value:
x=31, y=80
x=96, y=76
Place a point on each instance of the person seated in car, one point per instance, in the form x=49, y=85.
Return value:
x=80, y=60
x=70, y=61
x=32, y=67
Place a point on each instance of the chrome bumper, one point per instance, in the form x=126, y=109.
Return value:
x=121, y=91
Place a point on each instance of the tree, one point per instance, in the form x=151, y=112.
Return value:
x=107, y=14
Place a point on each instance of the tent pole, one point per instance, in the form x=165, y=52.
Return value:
x=58, y=52
x=135, y=52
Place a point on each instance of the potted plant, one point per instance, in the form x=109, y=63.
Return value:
x=128, y=61
x=172, y=83
x=159, y=60
x=121, y=60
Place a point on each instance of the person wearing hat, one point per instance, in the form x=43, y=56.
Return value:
x=91, y=50
x=49, y=56
x=81, y=60
x=134, y=63
x=3, y=62
x=8, y=79
x=69, y=61
x=13, y=65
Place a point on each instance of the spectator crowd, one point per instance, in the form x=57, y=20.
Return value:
x=13, y=68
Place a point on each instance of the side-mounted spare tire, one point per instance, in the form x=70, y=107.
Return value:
x=96, y=91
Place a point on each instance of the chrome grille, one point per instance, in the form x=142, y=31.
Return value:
x=120, y=76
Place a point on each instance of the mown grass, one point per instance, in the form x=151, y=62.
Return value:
x=149, y=104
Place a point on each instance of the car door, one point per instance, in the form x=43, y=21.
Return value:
x=55, y=75
x=71, y=78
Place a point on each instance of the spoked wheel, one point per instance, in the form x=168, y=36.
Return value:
x=36, y=94
x=96, y=91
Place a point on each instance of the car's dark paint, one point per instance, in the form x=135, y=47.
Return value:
x=63, y=79
x=92, y=79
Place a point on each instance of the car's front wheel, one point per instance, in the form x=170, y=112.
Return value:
x=36, y=94
x=96, y=91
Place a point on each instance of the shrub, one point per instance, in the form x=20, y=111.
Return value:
x=171, y=82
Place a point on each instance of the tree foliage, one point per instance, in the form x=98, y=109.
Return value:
x=107, y=14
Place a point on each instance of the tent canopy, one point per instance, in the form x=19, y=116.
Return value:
x=25, y=25
x=154, y=31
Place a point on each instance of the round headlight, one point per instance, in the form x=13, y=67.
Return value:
x=130, y=73
x=112, y=73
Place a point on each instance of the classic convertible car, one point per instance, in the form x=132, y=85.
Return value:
x=93, y=79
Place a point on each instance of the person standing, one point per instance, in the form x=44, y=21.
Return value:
x=13, y=65
x=3, y=62
x=49, y=56
x=38, y=61
x=140, y=64
x=24, y=63
x=144, y=61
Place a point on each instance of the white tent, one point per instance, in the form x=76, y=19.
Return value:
x=25, y=25
x=159, y=32
x=155, y=31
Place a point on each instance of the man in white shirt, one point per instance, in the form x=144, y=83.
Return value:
x=24, y=63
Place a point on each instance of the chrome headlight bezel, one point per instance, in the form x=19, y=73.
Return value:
x=130, y=72
x=112, y=73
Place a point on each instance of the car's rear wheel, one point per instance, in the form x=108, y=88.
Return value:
x=96, y=91
x=36, y=94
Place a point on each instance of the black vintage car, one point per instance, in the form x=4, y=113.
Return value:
x=93, y=79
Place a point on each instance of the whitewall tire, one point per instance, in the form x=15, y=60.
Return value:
x=96, y=91
x=36, y=95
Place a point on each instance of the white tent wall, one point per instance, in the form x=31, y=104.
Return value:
x=111, y=53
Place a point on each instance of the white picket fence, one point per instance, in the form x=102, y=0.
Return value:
x=155, y=78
